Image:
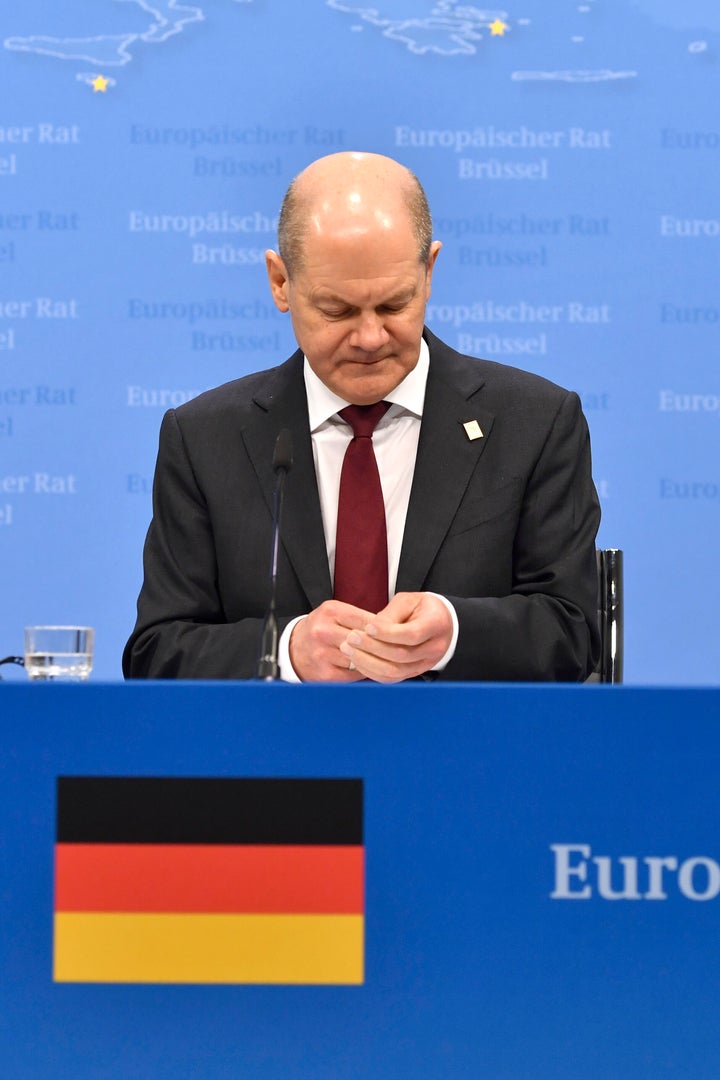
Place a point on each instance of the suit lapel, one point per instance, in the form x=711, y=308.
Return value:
x=446, y=459
x=282, y=403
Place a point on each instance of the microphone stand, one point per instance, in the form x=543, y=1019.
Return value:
x=268, y=669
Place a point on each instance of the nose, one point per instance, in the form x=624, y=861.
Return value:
x=369, y=333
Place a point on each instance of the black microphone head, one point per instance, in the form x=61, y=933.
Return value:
x=282, y=455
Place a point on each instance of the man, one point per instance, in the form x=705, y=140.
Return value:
x=491, y=511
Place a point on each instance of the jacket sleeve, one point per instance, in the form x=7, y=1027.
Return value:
x=182, y=629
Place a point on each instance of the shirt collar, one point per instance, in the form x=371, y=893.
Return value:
x=409, y=395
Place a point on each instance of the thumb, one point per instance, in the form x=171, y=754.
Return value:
x=400, y=609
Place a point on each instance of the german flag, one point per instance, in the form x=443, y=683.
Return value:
x=209, y=880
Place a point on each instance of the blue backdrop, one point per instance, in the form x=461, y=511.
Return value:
x=570, y=152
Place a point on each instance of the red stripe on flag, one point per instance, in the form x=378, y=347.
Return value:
x=231, y=878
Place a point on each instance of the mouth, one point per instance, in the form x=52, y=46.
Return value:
x=369, y=361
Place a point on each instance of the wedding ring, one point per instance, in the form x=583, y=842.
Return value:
x=351, y=666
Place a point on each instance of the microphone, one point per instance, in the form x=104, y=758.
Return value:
x=268, y=668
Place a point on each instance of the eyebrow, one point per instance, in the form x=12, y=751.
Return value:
x=333, y=298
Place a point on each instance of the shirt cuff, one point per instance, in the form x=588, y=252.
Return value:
x=287, y=671
x=445, y=660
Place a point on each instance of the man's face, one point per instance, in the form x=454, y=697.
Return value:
x=357, y=305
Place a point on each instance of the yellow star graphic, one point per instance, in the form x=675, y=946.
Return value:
x=497, y=28
x=99, y=83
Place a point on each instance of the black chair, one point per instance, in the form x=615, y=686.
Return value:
x=610, y=616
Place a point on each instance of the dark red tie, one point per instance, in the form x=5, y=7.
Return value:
x=361, y=558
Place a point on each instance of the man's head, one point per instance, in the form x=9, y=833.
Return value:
x=354, y=271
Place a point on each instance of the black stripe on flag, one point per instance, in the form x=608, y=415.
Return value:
x=202, y=810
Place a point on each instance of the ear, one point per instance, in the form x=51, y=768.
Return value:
x=434, y=252
x=278, y=278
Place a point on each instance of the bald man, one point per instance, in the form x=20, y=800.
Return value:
x=485, y=472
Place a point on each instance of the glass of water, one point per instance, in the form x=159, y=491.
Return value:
x=59, y=653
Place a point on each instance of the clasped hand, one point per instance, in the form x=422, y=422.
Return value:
x=340, y=643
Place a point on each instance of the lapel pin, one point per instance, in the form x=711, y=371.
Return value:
x=473, y=430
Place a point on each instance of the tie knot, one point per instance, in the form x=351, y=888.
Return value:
x=363, y=419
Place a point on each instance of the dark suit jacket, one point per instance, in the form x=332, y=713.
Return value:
x=504, y=526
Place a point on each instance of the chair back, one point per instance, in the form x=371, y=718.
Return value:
x=610, y=614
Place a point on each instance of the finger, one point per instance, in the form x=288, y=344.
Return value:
x=384, y=671
x=401, y=607
x=346, y=615
x=345, y=670
x=409, y=634
x=428, y=621
x=385, y=650
x=388, y=661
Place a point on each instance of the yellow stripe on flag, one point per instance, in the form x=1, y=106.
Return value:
x=200, y=948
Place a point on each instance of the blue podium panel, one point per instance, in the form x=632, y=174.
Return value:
x=542, y=882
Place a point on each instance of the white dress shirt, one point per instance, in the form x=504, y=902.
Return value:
x=395, y=441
